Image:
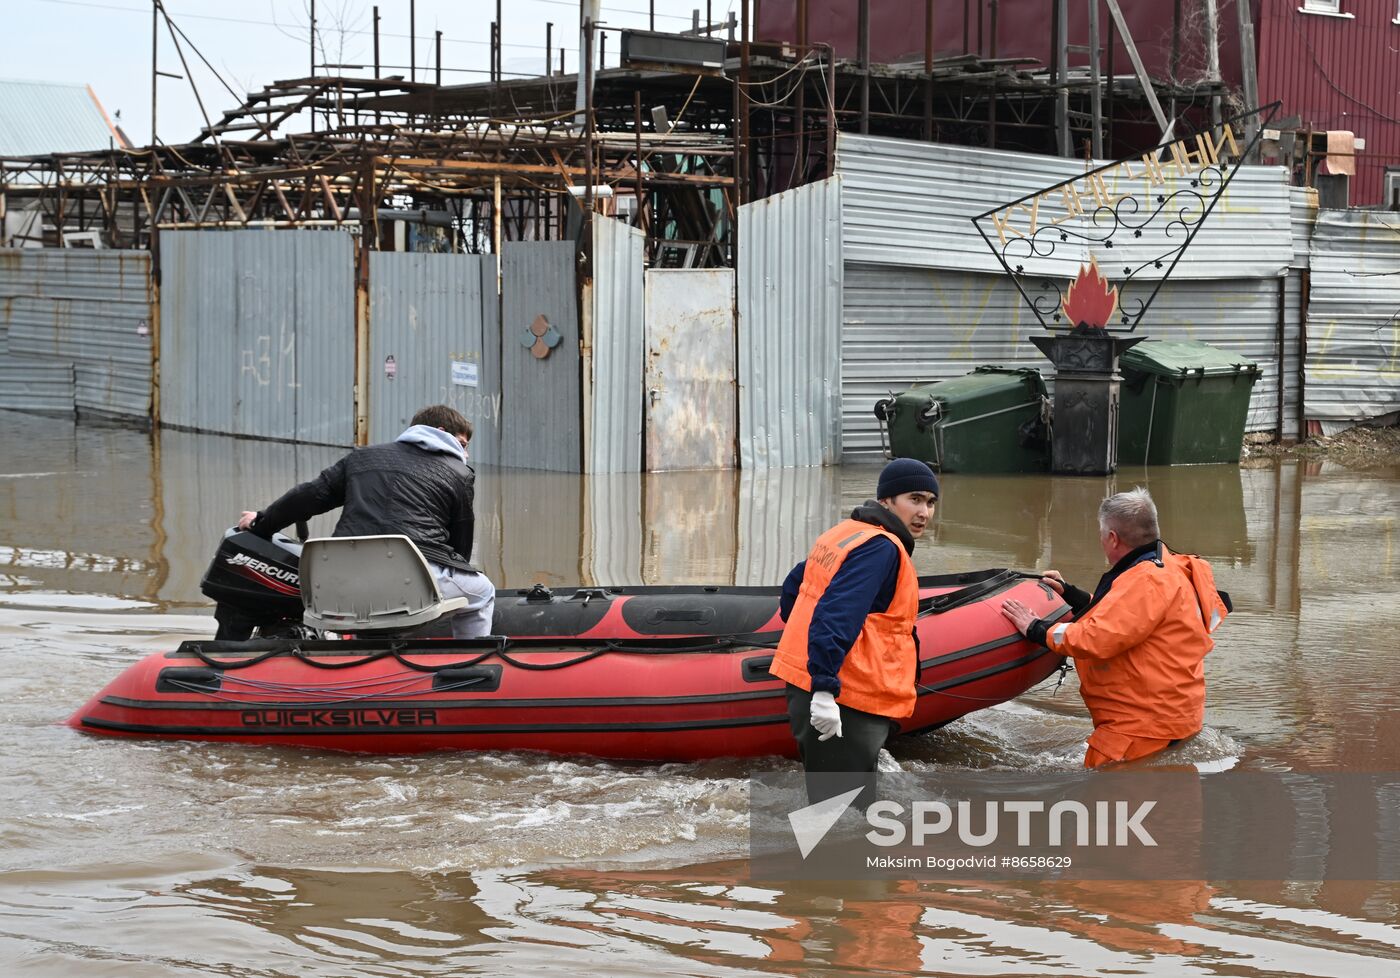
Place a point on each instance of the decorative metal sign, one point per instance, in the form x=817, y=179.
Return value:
x=540, y=337
x=1150, y=206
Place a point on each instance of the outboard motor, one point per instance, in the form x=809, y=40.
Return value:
x=256, y=586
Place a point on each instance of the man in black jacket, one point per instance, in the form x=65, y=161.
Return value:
x=420, y=486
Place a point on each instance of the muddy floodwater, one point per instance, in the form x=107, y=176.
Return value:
x=149, y=859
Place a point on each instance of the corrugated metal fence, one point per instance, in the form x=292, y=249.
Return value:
x=75, y=331
x=614, y=386
x=1353, y=352
x=430, y=318
x=258, y=334
x=911, y=203
x=924, y=299
x=790, y=284
x=540, y=406
x=903, y=326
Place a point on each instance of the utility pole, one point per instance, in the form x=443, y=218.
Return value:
x=1095, y=96
x=590, y=12
x=313, y=40
x=1213, y=58
x=1061, y=14
x=155, y=36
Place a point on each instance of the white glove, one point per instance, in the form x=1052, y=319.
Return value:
x=826, y=715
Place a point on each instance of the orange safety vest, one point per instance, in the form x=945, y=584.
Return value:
x=1139, y=652
x=879, y=671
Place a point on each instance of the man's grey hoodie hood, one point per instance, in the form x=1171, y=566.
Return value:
x=432, y=439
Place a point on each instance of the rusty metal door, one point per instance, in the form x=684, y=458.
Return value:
x=690, y=369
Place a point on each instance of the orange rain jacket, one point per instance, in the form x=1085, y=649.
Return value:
x=1139, y=648
x=879, y=673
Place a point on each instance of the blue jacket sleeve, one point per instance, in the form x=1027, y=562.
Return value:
x=791, y=587
x=864, y=585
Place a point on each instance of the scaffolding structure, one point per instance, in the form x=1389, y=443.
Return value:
x=673, y=150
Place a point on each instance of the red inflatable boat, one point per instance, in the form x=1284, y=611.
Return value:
x=645, y=673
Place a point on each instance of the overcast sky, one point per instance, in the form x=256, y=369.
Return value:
x=107, y=44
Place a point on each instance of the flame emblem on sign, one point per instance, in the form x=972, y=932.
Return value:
x=1090, y=301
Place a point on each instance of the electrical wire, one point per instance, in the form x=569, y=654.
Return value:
x=1326, y=76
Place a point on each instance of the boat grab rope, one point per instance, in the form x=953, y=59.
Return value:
x=929, y=606
x=1060, y=672
x=973, y=592
x=396, y=651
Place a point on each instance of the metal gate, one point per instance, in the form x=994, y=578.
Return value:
x=258, y=334
x=430, y=320
x=690, y=385
x=541, y=408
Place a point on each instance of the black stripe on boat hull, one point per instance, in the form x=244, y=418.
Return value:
x=518, y=728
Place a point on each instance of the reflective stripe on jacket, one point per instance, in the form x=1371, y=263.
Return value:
x=878, y=674
x=1139, y=651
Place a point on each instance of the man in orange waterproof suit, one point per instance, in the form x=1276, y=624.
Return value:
x=1139, y=641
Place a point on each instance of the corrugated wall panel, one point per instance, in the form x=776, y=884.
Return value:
x=426, y=311
x=903, y=326
x=90, y=310
x=912, y=203
x=324, y=335
x=1292, y=363
x=1353, y=355
x=789, y=285
x=1303, y=214
x=1337, y=73
x=36, y=386
x=540, y=409
x=615, y=424
x=489, y=451
x=258, y=333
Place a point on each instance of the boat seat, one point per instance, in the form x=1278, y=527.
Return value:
x=369, y=584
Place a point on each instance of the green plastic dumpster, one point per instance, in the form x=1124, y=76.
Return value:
x=988, y=421
x=1182, y=402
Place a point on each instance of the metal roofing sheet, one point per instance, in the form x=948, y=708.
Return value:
x=258, y=333
x=912, y=203
x=789, y=281
x=1353, y=338
x=540, y=405
x=51, y=117
x=426, y=319
x=615, y=406
x=1302, y=215
x=89, y=310
x=36, y=386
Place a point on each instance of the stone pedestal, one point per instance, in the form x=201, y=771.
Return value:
x=1086, y=399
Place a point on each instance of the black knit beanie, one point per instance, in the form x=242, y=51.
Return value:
x=906, y=475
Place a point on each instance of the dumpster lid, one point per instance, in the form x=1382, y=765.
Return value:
x=1177, y=358
x=983, y=380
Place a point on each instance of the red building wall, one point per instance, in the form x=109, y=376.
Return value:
x=1023, y=31
x=1338, y=73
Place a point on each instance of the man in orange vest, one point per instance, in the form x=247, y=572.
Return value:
x=1139, y=641
x=849, y=652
